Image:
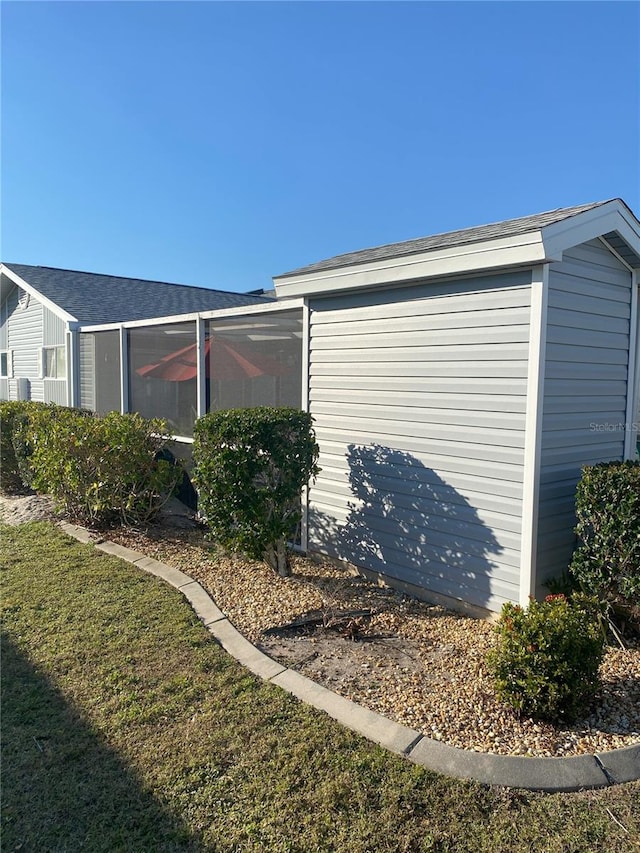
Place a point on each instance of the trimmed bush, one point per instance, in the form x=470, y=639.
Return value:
x=11, y=483
x=16, y=477
x=250, y=466
x=546, y=662
x=101, y=470
x=606, y=562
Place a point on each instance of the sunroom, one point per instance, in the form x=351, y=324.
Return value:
x=179, y=368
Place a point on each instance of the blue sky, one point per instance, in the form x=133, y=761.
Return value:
x=220, y=144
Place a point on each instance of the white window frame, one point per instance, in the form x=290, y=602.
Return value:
x=43, y=362
x=9, y=371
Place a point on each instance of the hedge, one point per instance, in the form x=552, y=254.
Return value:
x=250, y=467
x=101, y=470
x=606, y=561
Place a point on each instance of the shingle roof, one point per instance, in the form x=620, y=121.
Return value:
x=93, y=298
x=508, y=228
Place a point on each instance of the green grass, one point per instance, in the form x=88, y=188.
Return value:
x=126, y=728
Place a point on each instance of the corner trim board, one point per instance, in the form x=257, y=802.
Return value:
x=533, y=430
x=633, y=376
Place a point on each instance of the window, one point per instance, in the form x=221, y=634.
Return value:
x=6, y=364
x=54, y=363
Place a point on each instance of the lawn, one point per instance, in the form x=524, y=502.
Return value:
x=126, y=728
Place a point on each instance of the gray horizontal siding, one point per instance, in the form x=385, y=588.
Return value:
x=400, y=301
x=500, y=463
x=4, y=313
x=460, y=337
x=566, y=299
x=601, y=355
x=419, y=410
x=55, y=391
x=424, y=353
x=503, y=479
x=87, y=372
x=419, y=399
x=25, y=339
x=53, y=329
x=490, y=504
x=585, y=391
x=484, y=368
x=444, y=321
x=605, y=403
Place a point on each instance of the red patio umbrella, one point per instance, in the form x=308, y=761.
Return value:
x=223, y=359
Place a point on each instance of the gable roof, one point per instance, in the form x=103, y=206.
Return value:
x=93, y=298
x=535, y=239
x=508, y=228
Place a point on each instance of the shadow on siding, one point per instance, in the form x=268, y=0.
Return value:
x=407, y=523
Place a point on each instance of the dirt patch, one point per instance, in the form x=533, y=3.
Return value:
x=25, y=508
x=344, y=652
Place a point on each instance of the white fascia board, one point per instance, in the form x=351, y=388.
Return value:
x=24, y=285
x=592, y=224
x=522, y=250
x=220, y=313
x=267, y=308
x=134, y=324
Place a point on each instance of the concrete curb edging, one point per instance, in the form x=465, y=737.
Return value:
x=552, y=775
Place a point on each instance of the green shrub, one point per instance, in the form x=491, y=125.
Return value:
x=11, y=482
x=607, y=559
x=16, y=476
x=101, y=470
x=546, y=661
x=250, y=466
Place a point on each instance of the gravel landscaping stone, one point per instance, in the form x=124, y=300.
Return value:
x=417, y=664
x=420, y=665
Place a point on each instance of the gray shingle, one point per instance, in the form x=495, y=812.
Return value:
x=94, y=298
x=508, y=228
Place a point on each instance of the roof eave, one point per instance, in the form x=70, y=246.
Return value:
x=32, y=291
x=521, y=250
x=612, y=216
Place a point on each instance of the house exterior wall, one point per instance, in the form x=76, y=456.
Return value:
x=25, y=340
x=4, y=313
x=55, y=391
x=419, y=395
x=4, y=383
x=27, y=326
x=585, y=388
x=87, y=372
x=53, y=329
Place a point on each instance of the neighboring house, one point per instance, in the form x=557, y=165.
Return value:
x=458, y=384
x=42, y=310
